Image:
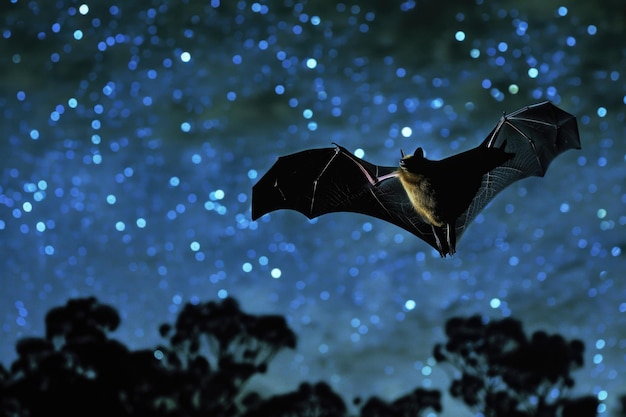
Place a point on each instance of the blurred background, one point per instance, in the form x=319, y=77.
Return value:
x=133, y=132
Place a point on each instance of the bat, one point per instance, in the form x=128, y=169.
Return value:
x=434, y=200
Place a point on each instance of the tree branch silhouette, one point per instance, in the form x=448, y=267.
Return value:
x=505, y=373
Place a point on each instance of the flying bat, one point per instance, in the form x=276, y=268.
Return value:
x=434, y=200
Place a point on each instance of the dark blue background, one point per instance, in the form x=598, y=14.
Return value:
x=132, y=134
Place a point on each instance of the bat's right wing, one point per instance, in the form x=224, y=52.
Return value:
x=320, y=181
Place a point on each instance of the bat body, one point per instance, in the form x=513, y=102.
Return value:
x=439, y=194
x=434, y=200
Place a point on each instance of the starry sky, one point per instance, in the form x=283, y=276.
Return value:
x=133, y=133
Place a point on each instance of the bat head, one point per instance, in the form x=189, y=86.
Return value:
x=413, y=163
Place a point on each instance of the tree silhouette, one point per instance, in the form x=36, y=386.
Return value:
x=222, y=347
x=213, y=349
x=74, y=367
x=504, y=373
x=77, y=370
x=410, y=405
x=317, y=400
x=227, y=337
x=622, y=403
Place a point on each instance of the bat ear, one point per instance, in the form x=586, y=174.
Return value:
x=419, y=153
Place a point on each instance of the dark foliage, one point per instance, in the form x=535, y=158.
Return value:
x=214, y=348
x=409, y=405
x=77, y=370
x=309, y=400
x=622, y=402
x=505, y=373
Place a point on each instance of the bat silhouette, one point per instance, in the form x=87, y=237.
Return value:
x=434, y=200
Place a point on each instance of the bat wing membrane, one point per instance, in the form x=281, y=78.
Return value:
x=536, y=134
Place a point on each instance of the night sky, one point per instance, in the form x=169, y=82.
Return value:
x=132, y=135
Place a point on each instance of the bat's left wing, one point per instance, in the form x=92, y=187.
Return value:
x=320, y=181
x=536, y=135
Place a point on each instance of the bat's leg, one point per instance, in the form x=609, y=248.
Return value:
x=436, y=233
x=451, y=237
